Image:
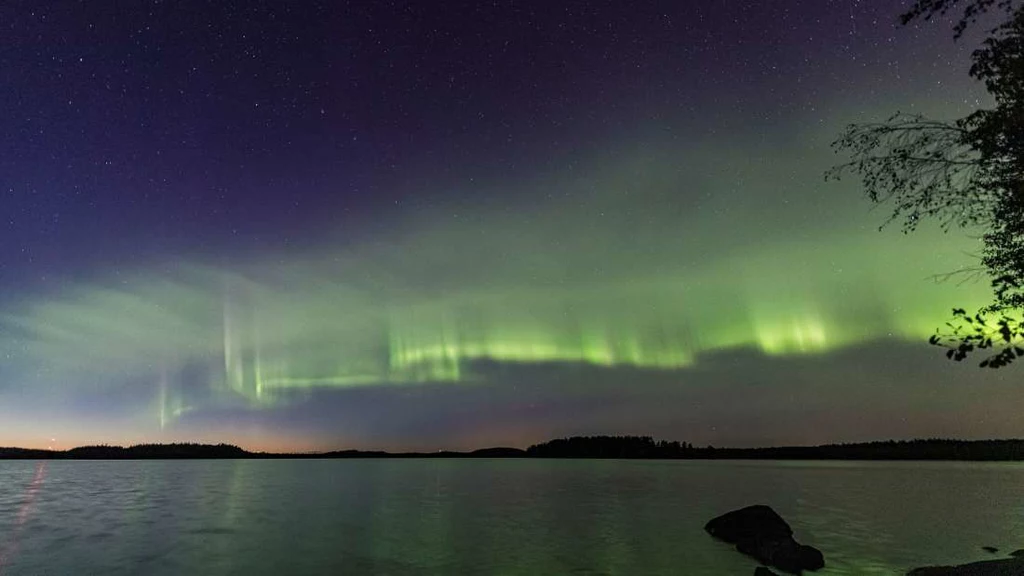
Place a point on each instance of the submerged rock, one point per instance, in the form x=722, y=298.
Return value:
x=760, y=532
x=990, y=549
x=1010, y=567
x=1017, y=553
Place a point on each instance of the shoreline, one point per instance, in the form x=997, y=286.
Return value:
x=575, y=448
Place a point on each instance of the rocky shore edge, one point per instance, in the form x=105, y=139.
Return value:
x=1001, y=567
x=758, y=531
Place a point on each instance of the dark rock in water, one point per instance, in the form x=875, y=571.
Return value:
x=762, y=571
x=786, y=555
x=760, y=532
x=1017, y=553
x=990, y=549
x=1010, y=567
x=757, y=521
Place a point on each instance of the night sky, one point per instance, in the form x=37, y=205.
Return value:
x=425, y=225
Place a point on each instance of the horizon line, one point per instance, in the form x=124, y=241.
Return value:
x=510, y=449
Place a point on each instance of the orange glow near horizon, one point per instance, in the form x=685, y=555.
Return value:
x=249, y=442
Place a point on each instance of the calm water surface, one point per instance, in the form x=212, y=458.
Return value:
x=418, y=517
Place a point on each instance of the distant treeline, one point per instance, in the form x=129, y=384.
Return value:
x=646, y=447
x=137, y=452
x=610, y=447
x=621, y=447
x=226, y=451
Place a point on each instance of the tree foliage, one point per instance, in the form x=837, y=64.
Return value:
x=972, y=11
x=967, y=173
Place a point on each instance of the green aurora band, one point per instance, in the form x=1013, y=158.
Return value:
x=618, y=283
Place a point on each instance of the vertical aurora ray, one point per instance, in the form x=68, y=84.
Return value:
x=164, y=415
x=170, y=398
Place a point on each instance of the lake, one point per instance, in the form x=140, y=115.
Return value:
x=494, y=517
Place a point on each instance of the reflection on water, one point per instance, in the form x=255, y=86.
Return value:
x=419, y=517
x=9, y=548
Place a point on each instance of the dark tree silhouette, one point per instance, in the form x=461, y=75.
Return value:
x=157, y=451
x=968, y=173
x=618, y=447
x=973, y=10
x=609, y=447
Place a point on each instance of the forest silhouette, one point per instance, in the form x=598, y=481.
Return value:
x=592, y=447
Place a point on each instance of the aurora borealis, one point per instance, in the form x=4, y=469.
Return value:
x=397, y=228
